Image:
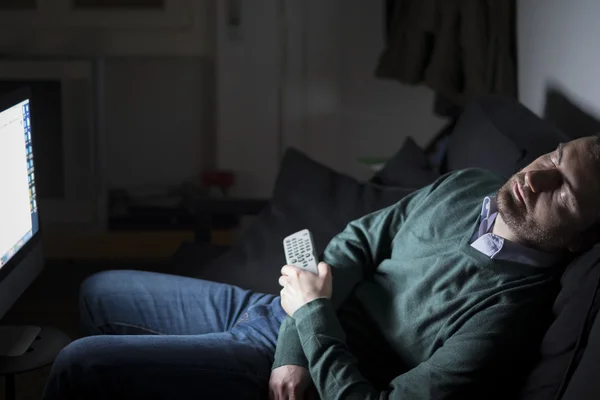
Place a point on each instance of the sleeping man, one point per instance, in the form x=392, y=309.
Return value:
x=439, y=296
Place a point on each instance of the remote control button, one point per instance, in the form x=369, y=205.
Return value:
x=293, y=260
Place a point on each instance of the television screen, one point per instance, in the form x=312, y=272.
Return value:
x=18, y=197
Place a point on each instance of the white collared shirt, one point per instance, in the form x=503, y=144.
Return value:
x=496, y=247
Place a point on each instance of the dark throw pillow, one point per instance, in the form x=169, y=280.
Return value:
x=408, y=168
x=477, y=142
x=307, y=195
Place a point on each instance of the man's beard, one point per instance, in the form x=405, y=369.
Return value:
x=520, y=222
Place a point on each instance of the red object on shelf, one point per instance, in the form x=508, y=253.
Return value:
x=217, y=177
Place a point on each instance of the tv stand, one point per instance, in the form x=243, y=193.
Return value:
x=25, y=348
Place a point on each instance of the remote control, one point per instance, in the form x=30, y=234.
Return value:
x=300, y=251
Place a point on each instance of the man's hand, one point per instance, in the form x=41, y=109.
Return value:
x=301, y=287
x=290, y=382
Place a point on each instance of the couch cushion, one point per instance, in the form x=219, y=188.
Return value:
x=584, y=383
x=307, y=195
x=500, y=134
x=408, y=168
x=564, y=343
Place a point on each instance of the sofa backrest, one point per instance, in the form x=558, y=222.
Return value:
x=499, y=134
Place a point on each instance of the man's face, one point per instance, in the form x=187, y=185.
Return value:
x=550, y=203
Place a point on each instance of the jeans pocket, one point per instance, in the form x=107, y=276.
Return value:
x=259, y=325
x=254, y=313
x=258, y=311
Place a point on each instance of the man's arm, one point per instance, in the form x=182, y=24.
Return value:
x=480, y=344
x=355, y=252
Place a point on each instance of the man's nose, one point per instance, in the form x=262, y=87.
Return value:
x=543, y=180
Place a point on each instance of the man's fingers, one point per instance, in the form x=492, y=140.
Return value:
x=277, y=392
x=283, y=280
x=289, y=270
x=281, y=393
x=324, y=269
x=273, y=389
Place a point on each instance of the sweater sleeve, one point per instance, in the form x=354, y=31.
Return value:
x=478, y=345
x=356, y=251
x=289, y=349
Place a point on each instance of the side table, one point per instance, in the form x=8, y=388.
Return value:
x=42, y=352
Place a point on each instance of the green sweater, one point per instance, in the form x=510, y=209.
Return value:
x=450, y=312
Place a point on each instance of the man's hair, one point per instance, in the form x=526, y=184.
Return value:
x=594, y=151
x=595, y=148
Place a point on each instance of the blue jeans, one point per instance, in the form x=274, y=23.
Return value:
x=158, y=336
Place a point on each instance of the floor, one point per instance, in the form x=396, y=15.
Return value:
x=52, y=300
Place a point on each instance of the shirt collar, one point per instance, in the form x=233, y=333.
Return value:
x=489, y=211
x=498, y=248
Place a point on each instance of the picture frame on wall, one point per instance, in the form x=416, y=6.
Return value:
x=91, y=14
x=18, y=5
x=118, y=4
x=104, y=27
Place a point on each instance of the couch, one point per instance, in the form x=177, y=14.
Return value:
x=493, y=132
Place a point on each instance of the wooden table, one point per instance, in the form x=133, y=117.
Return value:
x=118, y=244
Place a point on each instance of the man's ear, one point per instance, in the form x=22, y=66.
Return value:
x=586, y=240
